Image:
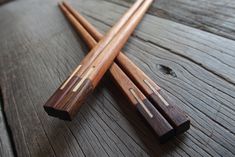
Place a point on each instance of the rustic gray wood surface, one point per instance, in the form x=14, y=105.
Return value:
x=39, y=49
x=216, y=16
x=5, y=144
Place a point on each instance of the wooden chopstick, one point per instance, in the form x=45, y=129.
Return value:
x=95, y=71
x=152, y=91
x=163, y=129
x=58, y=98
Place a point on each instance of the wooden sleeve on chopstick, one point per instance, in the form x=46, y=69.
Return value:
x=160, y=125
x=54, y=102
x=102, y=63
x=177, y=118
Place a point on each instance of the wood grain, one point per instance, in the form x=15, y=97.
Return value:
x=214, y=16
x=37, y=56
x=5, y=143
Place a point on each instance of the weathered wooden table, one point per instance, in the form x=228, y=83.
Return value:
x=186, y=46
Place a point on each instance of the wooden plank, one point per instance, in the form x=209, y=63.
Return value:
x=5, y=144
x=39, y=49
x=214, y=16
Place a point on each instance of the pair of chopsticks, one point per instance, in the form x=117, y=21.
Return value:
x=62, y=103
x=160, y=112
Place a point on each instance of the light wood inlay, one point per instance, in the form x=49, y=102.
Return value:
x=83, y=79
x=75, y=71
x=141, y=103
x=156, y=92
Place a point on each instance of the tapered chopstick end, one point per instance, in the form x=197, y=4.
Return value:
x=160, y=125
